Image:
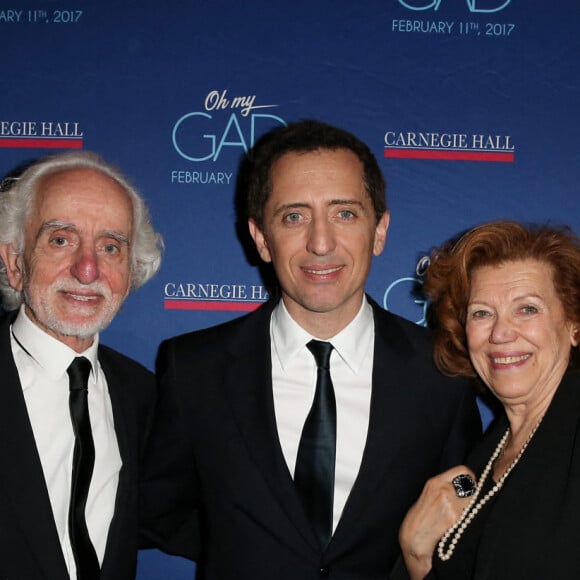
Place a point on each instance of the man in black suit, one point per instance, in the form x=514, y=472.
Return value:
x=242, y=475
x=75, y=238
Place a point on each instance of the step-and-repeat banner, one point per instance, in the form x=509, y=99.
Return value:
x=471, y=107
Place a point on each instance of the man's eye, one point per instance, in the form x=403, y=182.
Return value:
x=111, y=249
x=292, y=217
x=59, y=241
x=346, y=214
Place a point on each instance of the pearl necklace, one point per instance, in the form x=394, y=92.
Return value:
x=474, y=506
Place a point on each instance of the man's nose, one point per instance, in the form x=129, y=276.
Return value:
x=321, y=239
x=85, y=267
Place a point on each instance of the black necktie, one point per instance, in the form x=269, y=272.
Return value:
x=314, y=473
x=86, y=560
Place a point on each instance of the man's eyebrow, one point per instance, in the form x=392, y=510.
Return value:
x=119, y=236
x=53, y=225
x=346, y=202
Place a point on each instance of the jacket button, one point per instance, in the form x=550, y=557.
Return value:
x=324, y=572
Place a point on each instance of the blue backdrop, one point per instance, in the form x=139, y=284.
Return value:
x=471, y=107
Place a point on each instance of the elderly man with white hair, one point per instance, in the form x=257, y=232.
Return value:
x=75, y=239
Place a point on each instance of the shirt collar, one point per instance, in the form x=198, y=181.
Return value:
x=52, y=355
x=351, y=343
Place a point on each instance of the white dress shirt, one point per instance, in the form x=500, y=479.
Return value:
x=42, y=363
x=294, y=383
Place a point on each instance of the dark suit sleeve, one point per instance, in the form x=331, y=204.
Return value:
x=465, y=430
x=168, y=500
x=464, y=433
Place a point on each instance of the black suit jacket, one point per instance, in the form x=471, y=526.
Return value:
x=217, y=488
x=29, y=544
x=533, y=528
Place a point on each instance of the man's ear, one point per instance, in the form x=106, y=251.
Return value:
x=13, y=262
x=574, y=334
x=381, y=233
x=260, y=240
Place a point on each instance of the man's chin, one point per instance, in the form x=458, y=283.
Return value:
x=82, y=329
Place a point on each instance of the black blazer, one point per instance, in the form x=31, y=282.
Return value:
x=217, y=488
x=29, y=545
x=533, y=528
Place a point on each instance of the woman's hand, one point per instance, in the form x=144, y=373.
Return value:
x=436, y=510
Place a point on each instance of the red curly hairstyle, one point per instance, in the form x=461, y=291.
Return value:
x=448, y=279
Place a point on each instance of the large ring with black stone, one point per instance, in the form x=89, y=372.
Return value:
x=464, y=485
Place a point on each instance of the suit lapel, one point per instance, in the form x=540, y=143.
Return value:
x=248, y=382
x=389, y=372
x=22, y=482
x=114, y=384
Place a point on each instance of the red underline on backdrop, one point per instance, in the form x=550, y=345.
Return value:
x=11, y=142
x=211, y=305
x=507, y=157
